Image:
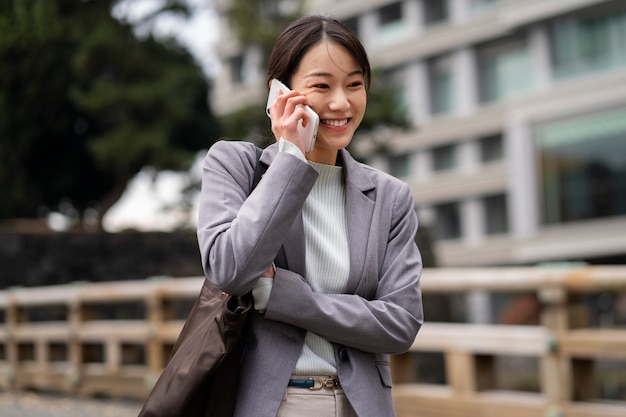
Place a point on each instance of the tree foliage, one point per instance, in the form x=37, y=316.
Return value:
x=259, y=22
x=85, y=104
x=384, y=106
x=249, y=123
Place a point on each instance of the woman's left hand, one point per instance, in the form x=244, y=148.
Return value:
x=269, y=273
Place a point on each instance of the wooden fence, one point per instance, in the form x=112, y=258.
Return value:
x=557, y=343
x=545, y=353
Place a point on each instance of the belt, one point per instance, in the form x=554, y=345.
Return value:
x=315, y=383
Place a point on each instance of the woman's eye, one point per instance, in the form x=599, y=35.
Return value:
x=321, y=86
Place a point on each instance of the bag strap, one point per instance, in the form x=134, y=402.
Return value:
x=259, y=169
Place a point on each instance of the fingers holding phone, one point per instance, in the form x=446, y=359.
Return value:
x=291, y=118
x=287, y=113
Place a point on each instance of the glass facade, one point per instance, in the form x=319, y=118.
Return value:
x=436, y=11
x=444, y=157
x=448, y=221
x=504, y=68
x=481, y=4
x=440, y=74
x=491, y=148
x=496, y=214
x=391, y=23
x=589, y=43
x=400, y=165
x=583, y=167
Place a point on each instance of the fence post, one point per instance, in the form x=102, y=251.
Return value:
x=154, y=351
x=555, y=381
x=461, y=372
x=403, y=368
x=11, y=342
x=74, y=318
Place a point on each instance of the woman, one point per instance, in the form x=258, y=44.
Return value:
x=325, y=243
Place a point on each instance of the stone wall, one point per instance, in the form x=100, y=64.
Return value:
x=34, y=259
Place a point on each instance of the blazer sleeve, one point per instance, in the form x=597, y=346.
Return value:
x=387, y=323
x=240, y=233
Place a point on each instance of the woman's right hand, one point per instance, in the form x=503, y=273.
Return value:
x=285, y=113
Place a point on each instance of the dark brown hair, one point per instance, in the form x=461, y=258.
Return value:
x=301, y=35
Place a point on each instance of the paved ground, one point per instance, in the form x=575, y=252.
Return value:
x=28, y=404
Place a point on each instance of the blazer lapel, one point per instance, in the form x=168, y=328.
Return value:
x=359, y=211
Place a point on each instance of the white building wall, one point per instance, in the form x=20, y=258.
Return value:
x=540, y=52
x=417, y=92
x=465, y=75
x=459, y=11
x=523, y=204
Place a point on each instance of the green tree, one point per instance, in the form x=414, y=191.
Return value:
x=85, y=104
x=258, y=22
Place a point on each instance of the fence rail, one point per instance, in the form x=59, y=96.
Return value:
x=563, y=343
x=114, y=338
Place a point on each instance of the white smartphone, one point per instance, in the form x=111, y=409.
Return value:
x=311, y=129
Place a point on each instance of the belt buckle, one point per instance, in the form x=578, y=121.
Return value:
x=319, y=383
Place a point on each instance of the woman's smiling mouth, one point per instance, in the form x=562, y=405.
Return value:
x=336, y=123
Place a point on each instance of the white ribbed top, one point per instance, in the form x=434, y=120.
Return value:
x=327, y=258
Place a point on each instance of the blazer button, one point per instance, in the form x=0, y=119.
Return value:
x=343, y=354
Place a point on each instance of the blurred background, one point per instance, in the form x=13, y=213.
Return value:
x=506, y=117
x=515, y=141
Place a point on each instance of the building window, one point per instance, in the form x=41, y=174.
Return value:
x=441, y=82
x=394, y=81
x=583, y=167
x=496, y=214
x=448, y=221
x=504, y=68
x=400, y=165
x=391, y=25
x=491, y=148
x=587, y=44
x=482, y=4
x=444, y=157
x=390, y=14
x=436, y=11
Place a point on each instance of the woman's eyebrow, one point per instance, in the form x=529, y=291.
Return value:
x=318, y=74
x=327, y=74
x=356, y=72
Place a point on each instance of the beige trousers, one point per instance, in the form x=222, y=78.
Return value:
x=326, y=402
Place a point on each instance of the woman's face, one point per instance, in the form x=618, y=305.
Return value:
x=335, y=88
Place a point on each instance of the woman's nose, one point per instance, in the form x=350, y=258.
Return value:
x=339, y=100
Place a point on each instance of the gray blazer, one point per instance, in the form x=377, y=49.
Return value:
x=380, y=311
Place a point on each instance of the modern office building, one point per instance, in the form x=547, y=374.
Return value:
x=518, y=151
